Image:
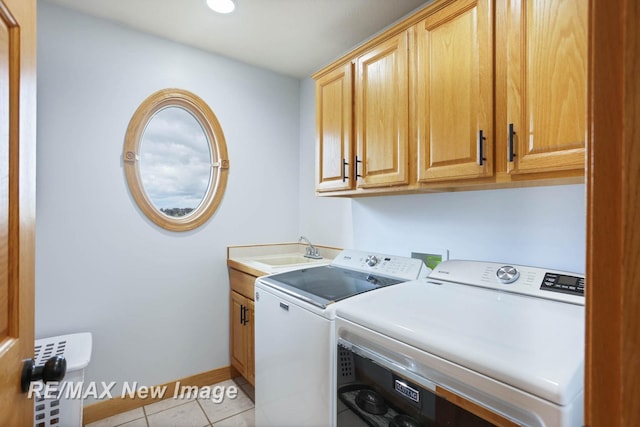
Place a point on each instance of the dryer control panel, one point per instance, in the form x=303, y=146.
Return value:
x=533, y=281
x=568, y=284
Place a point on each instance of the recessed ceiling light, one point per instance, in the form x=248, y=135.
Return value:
x=221, y=6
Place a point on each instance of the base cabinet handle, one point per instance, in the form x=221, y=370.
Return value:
x=246, y=318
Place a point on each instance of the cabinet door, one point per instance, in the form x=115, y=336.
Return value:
x=238, y=343
x=546, y=84
x=454, y=93
x=250, y=343
x=382, y=114
x=334, y=111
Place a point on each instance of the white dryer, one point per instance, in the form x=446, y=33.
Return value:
x=475, y=344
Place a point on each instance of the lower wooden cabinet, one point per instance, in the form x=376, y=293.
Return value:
x=241, y=324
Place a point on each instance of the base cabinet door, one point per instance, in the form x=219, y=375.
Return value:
x=250, y=342
x=546, y=85
x=242, y=336
x=454, y=96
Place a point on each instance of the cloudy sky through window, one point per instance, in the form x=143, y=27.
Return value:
x=175, y=160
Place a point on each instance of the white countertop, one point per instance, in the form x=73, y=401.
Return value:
x=277, y=257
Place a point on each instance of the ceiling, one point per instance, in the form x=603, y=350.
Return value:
x=292, y=37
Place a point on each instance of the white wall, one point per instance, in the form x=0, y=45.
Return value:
x=540, y=226
x=155, y=301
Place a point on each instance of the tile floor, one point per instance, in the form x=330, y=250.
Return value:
x=193, y=412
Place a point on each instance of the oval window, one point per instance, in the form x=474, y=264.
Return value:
x=175, y=159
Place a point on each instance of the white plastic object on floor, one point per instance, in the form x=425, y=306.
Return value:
x=62, y=410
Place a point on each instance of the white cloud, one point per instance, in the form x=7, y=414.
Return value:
x=175, y=160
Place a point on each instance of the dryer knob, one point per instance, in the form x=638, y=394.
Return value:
x=507, y=274
x=371, y=260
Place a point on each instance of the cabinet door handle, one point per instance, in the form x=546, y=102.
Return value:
x=511, y=154
x=246, y=318
x=344, y=172
x=357, y=174
x=242, y=308
x=481, y=140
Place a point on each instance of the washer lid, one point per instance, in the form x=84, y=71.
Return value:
x=325, y=285
x=533, y=344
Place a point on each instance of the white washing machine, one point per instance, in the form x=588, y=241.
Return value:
x=475, y=344
x=294, y=332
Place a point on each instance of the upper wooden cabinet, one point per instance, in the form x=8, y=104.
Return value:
x=546, y=66
x=454, y=96
x=463, y=94
x=382, y=114
x=334, y=132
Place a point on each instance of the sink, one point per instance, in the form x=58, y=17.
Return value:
x=279, y=261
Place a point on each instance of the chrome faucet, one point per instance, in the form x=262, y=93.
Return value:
x=311, y=251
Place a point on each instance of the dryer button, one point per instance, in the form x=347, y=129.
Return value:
x=507, y=274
